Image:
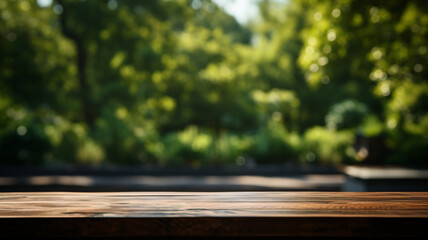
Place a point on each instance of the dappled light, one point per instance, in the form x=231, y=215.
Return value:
x=198, y=83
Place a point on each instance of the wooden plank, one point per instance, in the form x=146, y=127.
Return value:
x=134, y=214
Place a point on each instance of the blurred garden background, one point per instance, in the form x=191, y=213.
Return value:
x=183, y=83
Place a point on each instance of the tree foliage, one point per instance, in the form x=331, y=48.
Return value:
x=182, y=83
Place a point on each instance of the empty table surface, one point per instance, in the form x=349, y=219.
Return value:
x=133, y=214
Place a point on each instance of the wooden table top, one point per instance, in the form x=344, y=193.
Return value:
x=130, y=214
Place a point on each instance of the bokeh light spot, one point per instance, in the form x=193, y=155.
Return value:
x=326, y=49
x=58, y=9
x=418, y=67
x=322, y=61
x=331, y=36
x=21, y=130
x=309, y=50
x=44, y=3
x=385, y=90
x=314, y=67
x=112, y=4
x=317, y=16
x=196, y=4
x=310, y=157
x=325, y=80
x=377, y=54
x=336, y=12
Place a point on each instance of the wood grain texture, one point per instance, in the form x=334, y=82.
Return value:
x=133, y=214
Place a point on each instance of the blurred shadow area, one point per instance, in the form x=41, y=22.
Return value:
x=171, y=183
x=163, y=179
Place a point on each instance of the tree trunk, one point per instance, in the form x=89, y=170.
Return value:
x=81, y=60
